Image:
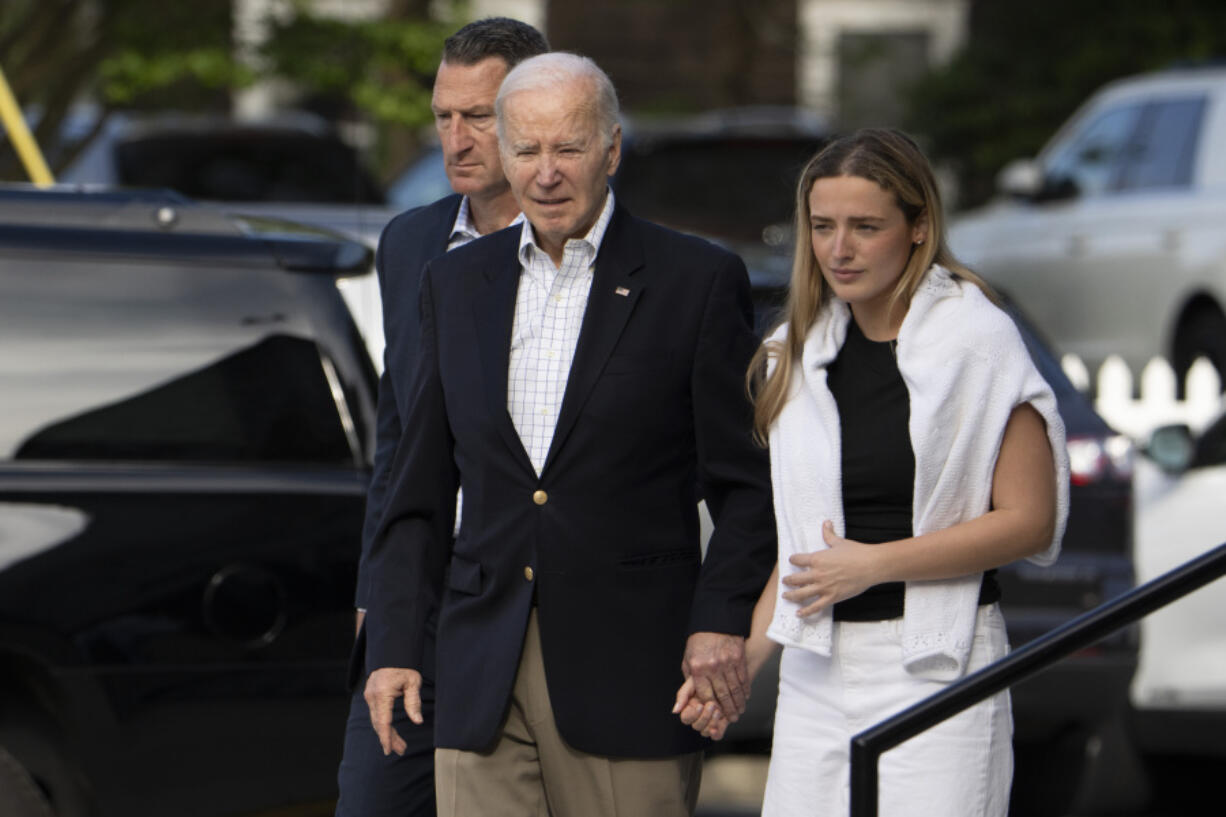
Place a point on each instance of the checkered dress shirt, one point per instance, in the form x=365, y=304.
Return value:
x=549, y=311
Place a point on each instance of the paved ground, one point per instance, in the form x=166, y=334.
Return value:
x=732, y=786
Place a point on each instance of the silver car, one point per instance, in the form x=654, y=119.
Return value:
x=1112, y=239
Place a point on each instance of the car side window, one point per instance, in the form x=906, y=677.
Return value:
x=1164, y=149
x=1093, y=159
x=140, y=361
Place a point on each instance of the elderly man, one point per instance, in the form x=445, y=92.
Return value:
x=582, y=377
x=475, y=60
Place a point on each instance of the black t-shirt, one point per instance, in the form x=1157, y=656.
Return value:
x=878, y=464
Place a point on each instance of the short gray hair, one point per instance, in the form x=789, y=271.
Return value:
x=555, y=68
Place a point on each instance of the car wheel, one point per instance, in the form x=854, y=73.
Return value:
x=1202, y=333
x=20, y=796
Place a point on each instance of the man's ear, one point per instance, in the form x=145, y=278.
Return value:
x=615, y=150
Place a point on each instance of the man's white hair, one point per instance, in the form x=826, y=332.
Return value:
x=556, y=68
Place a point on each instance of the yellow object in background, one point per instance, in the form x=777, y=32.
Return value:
x=20, y=136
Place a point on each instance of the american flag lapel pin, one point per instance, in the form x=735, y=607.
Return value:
x=622, y=291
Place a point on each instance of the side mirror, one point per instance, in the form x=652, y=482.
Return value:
x=1020, y=178
x=1172, y=448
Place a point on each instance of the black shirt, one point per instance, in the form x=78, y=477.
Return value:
x=878, y=464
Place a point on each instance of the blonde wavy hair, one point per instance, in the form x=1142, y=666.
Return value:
x=893, y=161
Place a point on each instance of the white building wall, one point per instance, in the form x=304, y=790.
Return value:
x=531, y=12
x=823, y=21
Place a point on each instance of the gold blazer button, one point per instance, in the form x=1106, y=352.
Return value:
x=540, y=497
x=528, y=574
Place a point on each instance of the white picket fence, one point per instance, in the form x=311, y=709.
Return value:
x=1137, y=417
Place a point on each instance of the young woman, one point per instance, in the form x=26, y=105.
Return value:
x=914, y=448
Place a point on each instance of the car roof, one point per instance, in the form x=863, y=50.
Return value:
x=289, y=156
x=1180, y=78
x=148, y=223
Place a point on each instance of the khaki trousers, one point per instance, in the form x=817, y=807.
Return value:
x=532, y=772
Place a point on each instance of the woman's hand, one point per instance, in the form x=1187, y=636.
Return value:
x=845, y=569
x=705, y=718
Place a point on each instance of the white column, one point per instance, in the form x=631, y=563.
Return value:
x=531, y=12
x=250, y=27
x=823, y=21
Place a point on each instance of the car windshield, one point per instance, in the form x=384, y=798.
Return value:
x=424, y=181
x=724, y=187
x=247, y=165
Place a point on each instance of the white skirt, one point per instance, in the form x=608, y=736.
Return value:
x=962, y=766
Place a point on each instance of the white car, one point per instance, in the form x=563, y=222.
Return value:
x=1112, y=240
x=1182, y=669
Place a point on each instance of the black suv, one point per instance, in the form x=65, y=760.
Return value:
x=184, y=443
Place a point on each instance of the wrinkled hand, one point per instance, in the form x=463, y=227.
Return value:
x=706, y=718
x=840, y=572
x=383, y=687
x=715, y=662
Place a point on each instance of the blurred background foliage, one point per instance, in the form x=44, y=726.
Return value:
x=382, y=68
x=145, y=55
x=1027, y=64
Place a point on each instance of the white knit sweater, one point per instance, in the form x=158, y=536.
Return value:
x=966, y=368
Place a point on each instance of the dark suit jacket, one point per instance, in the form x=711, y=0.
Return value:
x=407, y=243
x=654, y=417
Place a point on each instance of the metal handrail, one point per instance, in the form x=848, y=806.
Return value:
x=868, y=746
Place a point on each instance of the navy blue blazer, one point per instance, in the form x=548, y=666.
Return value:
x=654, y=417
x=406, y=244
x=408, y=241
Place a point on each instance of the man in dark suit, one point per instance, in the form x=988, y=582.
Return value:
x=582, y=377
x=475, y=60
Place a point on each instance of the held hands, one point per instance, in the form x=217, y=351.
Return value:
x=706, y=718
x=716, y=682
x=846, y=569
x=383, y=687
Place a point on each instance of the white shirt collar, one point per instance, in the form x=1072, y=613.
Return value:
x=465, y=230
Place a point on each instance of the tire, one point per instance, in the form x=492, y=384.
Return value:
x=1202, y=333
x=20, y=796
